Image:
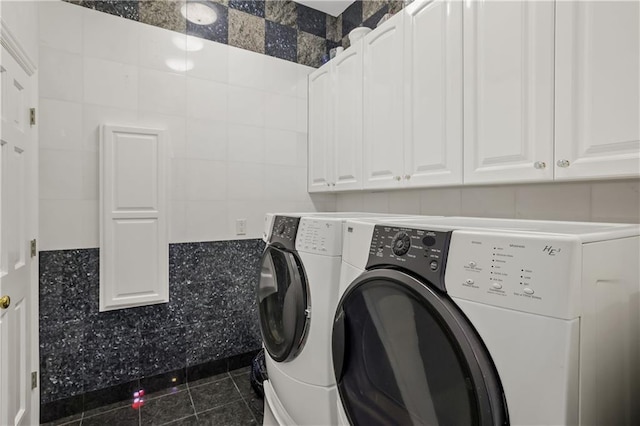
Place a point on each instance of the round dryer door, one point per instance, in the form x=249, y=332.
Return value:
x=283, y=303
x=405, y=354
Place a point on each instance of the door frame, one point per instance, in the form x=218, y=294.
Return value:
x=12, y=45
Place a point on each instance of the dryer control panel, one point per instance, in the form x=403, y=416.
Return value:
x=420, y=251
x=284, y=231
x=533, y=273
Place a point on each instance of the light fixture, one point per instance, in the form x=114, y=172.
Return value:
x=199, y=13
x=179, y=65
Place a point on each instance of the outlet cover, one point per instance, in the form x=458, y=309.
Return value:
x=241, y=226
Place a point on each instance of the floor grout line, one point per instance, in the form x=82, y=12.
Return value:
x=244, y=400
x=193, y=405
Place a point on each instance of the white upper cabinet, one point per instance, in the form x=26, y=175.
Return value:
x=320, y=125
x=597, y=89
x=508, y=91
x=433, y=93
x=335, y=123
x=383, y=105
x=347, y=119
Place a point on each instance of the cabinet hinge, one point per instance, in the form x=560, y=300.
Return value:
x=34, y=379
x=34, y=248
x=32, y=116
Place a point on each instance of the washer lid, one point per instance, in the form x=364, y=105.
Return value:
x=405, y=354
x=283, y=303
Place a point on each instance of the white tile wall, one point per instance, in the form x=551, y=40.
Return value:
x=237, y=125
x=236, y=121
x=604, y=201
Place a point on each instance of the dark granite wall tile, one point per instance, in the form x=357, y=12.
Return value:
x=334, y=28
x=246, y=31
x=61, y=374
x=211, y=315
x=396, y=6
x=281, y=41
x=217, y=31
x=312, y=21
x=162, y=351
x=163, y=13
x=310, y=49
x=372, y=21
x=111, y=358
x=124, y=9
x=252, y=7
x=283, y=12
x=370, y=7
x=352, y=17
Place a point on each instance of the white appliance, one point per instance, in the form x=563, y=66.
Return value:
x=488, y=321
x=297, y=296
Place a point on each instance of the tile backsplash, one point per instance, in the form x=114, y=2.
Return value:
x=601, y=201
x=212, y=315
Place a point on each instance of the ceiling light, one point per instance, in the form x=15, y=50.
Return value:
x=199, y=13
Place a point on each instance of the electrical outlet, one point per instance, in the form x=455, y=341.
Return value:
x=241, y=226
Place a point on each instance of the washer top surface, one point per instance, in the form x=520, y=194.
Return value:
x=585, y=231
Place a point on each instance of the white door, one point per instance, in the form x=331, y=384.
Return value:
x=508, y=91
x=17, y=157
x=597, y=89
x=433, y=66
x=383, y=105
x=320, y=130
x=347, y=119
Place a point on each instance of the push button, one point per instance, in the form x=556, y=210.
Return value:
x=469, y=281
x=528, y=290
x=497, y=286
x=433, y=265
x=472, y=264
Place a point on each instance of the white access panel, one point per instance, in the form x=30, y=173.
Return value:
x=134, y=250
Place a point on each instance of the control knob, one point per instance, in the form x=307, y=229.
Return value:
x=280, y=228
x=400, y=243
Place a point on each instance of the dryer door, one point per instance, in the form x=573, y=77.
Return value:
x=283, y=303
x=405, y=354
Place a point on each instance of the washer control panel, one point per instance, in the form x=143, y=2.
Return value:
x=320, y=236
x=284, y=231
x=421, y=251
x=532, y=273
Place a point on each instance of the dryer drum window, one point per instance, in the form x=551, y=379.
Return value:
x=282, y=301
x=407, y=360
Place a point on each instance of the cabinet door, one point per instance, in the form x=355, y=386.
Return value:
x=433, y=93
x=347, y=119
x=320, y=134
x=508, y=91
x=597, y=89
x=383, y=105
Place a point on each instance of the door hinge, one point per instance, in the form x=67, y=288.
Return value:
x=34, y=379
x=32, y=116
x=33, y=248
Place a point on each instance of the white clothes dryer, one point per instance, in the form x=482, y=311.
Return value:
x=297, y=296
x=486, y=321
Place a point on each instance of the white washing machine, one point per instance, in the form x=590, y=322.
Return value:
x=297, y=295
x=487, y=321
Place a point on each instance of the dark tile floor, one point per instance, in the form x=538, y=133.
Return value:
x=225, y=399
